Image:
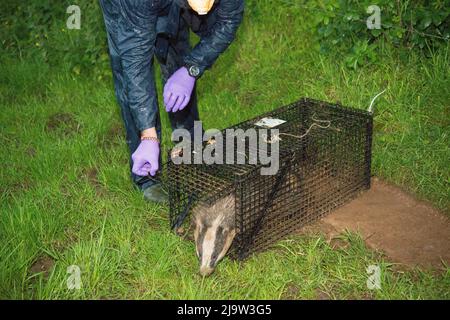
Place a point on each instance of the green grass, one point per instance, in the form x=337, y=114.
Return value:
x=65, y=192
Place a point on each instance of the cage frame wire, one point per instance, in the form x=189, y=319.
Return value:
x=250, y=239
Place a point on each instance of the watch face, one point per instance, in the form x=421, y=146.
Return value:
x=194, y=71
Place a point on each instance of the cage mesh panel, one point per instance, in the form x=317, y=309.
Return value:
x=318, y=173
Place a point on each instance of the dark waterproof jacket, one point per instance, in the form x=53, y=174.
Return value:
x=143, y=30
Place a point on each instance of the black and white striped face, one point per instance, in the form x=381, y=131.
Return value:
x=214, y=233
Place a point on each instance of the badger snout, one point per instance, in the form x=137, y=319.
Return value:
x=206, y=271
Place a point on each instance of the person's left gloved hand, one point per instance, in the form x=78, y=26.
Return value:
x=178, y=90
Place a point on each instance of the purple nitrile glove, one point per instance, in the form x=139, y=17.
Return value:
x=178, y=90
x=146, y=158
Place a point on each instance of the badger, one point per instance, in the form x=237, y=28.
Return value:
x=214, y=232
x=214, y=225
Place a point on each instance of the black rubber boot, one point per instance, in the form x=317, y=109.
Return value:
x=155, y=193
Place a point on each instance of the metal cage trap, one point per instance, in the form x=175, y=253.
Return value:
x=324, y=162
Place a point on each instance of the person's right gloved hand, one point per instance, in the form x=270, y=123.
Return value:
x=146, y=158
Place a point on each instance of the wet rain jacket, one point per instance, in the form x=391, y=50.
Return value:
x=138, y=30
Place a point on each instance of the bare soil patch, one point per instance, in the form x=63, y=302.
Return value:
x=322, y=295
x=91, y=175
x=18, y=186
x=42, y=265
x=63, y=123
x=407, y=230
x=113, y=137
x=31, y=152
x=291, y=292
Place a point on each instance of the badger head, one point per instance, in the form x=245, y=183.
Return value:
x=214, y=232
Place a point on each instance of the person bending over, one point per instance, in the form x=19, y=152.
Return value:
x=138, y=31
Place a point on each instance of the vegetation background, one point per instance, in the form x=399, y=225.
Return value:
x=66, y=198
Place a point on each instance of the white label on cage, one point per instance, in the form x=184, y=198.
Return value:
x=269, y=122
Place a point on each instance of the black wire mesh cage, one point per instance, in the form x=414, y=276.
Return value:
x=324, y=162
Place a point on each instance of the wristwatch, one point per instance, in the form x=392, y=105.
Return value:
x=194, y=71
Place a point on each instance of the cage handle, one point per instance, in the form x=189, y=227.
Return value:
x=370, y=109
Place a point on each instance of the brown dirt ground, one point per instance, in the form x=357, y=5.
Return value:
x=43, y=264
x=113, y=137
x=63, y=123
x=408, y=231
x=91, y=174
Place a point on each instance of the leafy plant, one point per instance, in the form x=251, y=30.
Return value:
x=341, y=26
x=37, y=30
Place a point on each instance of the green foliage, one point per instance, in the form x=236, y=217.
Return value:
x=341, y=26
x=37, y=30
